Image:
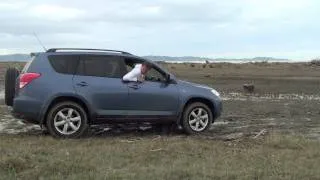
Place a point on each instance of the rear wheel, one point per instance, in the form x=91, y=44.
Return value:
x=197, y=118
x=10, y=85
x=67, y=120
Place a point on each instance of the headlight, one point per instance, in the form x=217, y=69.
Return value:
x=215, y=92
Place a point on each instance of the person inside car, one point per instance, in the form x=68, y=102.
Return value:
x=138, y=73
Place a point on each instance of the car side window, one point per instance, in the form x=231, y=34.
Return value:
x=65, y=64
x=155, y=76
x=101, y=66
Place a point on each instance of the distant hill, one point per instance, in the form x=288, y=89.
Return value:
x=256, y=59
x=15, y=57
x=26, y=57
x=203, y=59
x=183, y=58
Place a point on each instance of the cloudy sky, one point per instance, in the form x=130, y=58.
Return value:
x=210, y=28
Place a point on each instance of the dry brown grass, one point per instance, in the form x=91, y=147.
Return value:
x=315, y=62
x=180, y=157
x=276, y=157
x=268, y=77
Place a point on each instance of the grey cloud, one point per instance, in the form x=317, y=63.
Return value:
x=154, y=27
x=20, y=22
x=168, y=13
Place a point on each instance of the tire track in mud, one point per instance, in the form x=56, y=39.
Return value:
x=250, y=114
x=11, y=125
x=233, y=124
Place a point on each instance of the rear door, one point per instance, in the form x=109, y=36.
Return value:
x=98, y=80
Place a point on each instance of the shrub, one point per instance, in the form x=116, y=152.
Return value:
x=315, y=62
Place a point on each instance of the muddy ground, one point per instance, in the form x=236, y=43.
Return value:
x=286, y=99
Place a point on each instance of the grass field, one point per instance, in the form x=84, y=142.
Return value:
x=154, y=157
x=285, y=105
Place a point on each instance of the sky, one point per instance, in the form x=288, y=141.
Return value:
x=206, y=28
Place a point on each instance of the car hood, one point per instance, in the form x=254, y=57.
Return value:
x=195, y=85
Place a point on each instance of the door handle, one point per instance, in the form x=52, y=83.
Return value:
x=82, y=84
x=134, y=86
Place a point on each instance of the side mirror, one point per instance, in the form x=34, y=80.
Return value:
x=167, y=78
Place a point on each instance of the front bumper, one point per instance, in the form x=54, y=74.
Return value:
x=217, y=109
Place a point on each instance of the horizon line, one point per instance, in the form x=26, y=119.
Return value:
x=207, y=57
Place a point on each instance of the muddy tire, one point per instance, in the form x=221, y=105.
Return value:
x=10, y=85
x=197, y=118
x=67, y=120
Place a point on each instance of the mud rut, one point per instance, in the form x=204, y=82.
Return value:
x=244, y=116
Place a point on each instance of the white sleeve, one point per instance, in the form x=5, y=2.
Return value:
x=133, y=74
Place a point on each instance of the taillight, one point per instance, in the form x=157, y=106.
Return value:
x=26, y=78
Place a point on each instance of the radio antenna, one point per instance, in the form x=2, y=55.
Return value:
x=45, y=49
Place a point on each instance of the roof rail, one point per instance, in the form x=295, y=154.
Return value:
x=83, y=49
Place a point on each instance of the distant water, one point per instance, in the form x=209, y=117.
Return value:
x=189, y=59
x=234, y=61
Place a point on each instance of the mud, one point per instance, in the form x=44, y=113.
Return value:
x=244, y=116
x=281, y=103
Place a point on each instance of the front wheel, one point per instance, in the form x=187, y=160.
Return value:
x=67, y=120
x=197, y=118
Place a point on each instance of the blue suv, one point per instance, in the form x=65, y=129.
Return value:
x=67, y=90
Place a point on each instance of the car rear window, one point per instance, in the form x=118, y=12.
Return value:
x=66, y=64
x=101, y=66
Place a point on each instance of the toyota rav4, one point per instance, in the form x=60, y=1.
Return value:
x=68, y=90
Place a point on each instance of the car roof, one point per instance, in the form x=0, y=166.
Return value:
x=89, y=53
x=74, y=51
x=99, y=53
x=71, y=51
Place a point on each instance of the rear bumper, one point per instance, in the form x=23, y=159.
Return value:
x=27, y=109
x=24, y=117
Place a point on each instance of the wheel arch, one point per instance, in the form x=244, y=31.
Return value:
x=62, y=98
x=194, y=100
